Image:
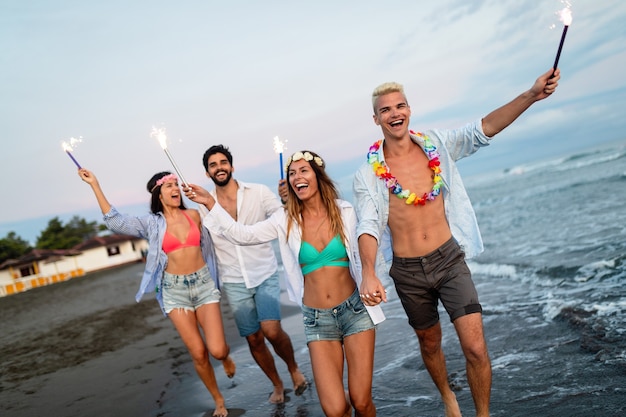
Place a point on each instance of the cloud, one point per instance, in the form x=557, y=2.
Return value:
x=241, y=72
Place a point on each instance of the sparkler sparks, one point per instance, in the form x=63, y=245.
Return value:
x=68, y=147
x=160, y=135
x=565, y=15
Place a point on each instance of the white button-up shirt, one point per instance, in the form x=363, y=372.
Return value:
x=248, y=264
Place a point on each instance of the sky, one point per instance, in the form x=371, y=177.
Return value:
x=240, y=73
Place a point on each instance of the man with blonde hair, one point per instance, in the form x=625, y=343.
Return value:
x=387, y=88
x=410, y=189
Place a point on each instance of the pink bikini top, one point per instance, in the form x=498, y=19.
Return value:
x=171, y=243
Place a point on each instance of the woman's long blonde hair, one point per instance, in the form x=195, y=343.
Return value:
x=328, y=193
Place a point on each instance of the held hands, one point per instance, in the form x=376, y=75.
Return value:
x=372, y=291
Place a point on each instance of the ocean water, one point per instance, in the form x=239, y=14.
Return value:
x=557, y=232
x=552, y=282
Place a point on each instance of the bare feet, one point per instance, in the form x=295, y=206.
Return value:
x=220, y=411
x=300, y=383
x=229, y=367
x=452, y=407
x=278, y=395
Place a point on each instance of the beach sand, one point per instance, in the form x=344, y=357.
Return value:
x=85, y=347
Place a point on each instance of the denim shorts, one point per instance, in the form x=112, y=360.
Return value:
x=348, y=318
x=189, y=291
x=441, y=275
x=250, y=306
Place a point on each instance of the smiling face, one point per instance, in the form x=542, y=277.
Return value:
x=170, y=194
x=302, y=179
x=219, y=169
x=392, y=114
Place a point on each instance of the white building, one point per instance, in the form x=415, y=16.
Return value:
x=48, y=266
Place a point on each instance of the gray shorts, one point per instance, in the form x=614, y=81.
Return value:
x=442, y=274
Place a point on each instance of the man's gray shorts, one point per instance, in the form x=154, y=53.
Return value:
x=442, y=274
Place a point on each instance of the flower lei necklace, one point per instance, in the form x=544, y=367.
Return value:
x=382, y=171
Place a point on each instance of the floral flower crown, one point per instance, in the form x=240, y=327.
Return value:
x=307, y=156
x=163, y=180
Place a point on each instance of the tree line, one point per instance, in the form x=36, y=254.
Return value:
x=55, y=236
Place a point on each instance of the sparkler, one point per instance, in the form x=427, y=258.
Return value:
x=279, y=148
x=159, y=134
x=565, y=16
x=69, y=147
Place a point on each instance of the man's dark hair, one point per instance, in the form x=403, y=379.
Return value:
x=212, y=151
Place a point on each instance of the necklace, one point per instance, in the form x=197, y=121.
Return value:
x=382, y=171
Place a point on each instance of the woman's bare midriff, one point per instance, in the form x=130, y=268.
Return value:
x=327, y=287
x=417, y=230
x=184, y=260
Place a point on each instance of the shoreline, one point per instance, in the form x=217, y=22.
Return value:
x=85, y=346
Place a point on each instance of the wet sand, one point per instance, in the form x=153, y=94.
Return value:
x=85, y=347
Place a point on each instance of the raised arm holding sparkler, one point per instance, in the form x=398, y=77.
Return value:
x=179, y=247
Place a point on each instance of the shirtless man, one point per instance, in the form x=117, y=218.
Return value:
x=432, y=227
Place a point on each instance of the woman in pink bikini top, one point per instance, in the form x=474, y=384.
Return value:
x=172, y=243
x=181, y=267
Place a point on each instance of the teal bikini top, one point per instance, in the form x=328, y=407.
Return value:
x=311, y=259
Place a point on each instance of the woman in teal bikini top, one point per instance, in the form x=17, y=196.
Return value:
x=334, y=254
x=319, y=249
